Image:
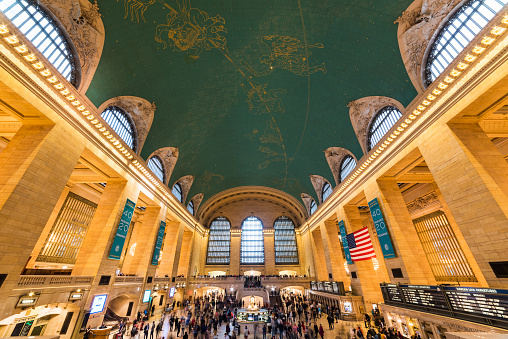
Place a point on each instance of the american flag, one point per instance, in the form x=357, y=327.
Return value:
x=360, y=245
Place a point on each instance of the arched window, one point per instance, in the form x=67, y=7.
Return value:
x=44, y=33
x=252, y=244
x=157, y=167
x=346, y=166
x=326, y=191
x=313, y=206
x=177, y=192
x=286, y=251
x=121, y=123
x=382, y=122
x=458, y=32
x=219, y=242
x=190, y=207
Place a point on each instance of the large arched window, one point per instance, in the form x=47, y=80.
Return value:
x=190, y=207
x=157, y=167
x=346, y=166
x=44, y=33
x=458, y=32
x=177, y=192
x=121, y=123
x=313, y=207
x=219, y=242
x=286, y=251
x=326, y=191
x=382, y=122
x=252, y=244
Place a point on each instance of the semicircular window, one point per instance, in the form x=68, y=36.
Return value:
x=190, y=207
x=252, y=244
x=346, y=166
x=219, y=242
x=157, y=167
x=383, y=121
x=44, y=33
x=286, y=250
x=121, y=123
x=458, y=32
x=326, y=191
x=177, y=192
x=313, y=206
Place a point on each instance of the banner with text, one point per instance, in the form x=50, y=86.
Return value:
x=121, y=232
x=158, y=244
x=381, y=230
x=343, y=234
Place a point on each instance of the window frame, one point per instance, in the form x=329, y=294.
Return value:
x=63, y=48
x=162, y=168
x=117, y=110
x=191, y=203
x=372, y=130
x=296, y=257
x=311, y=205
x=177, y=184
x=261, y=242
x=345, y=166
x=208, y=244
x=327, y=187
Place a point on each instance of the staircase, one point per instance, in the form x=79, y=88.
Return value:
x=275, y=300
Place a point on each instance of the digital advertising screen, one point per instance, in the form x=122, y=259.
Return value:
x=146, y=296
x=171, y=292
x=98, y=303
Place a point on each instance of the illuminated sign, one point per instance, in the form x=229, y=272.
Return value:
x=171, y=292
x=98, y=303
x=146, y=296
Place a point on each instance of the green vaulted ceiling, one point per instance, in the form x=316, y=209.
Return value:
x=251, y=91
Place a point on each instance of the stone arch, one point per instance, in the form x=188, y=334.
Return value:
x=169, y=157
x=362, y=112
x=318, y=182
x=418, y=26
x=196, y=200
x=186, y=183
x=334, y=157
x=307, y=199
x=141, y=112
x=81, y=21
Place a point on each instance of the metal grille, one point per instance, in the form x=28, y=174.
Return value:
x=120, y=122
x=286, y=250
x=43, y=32
x=445, y=256
x=313, y=206
x=326, y=191
x=219, y=242
x=384, y=120
x=347, y=165
x=252, y=244
x=177, y=192
x=190, y=207
x=458, y=32
x=68, y=231
x=157, y=167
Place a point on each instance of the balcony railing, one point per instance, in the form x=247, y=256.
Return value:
x=124, y=280
x=42, y=281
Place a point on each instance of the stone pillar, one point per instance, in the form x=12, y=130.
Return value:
x=475, y=194
x=234, y=265
x=407, y=245
x=333, y=252
x=319, y=255
x=185, y=252
x=144, y=235
x=310, y=267
x=268, y=240
x=34, y=169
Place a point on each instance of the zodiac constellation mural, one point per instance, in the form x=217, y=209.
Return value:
x=193, y=31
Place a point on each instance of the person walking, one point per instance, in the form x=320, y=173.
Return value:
x=264, y=331
x=321, y=331
x=152, y=329
x=146, y=329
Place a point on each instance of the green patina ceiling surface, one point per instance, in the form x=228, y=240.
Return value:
x=251, y=91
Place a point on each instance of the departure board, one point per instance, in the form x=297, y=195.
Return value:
x=486, y=302
x=394, y=294
x=426, y=296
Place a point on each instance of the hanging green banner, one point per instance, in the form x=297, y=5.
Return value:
x=158, y=244
x=343, y=234
x=381, y=230
x=121, y=232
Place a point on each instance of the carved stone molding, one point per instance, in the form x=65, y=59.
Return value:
x=307, y=199
x=318, y=182
x=424, y=204
x=334, y=157
x=196, y=200
x=418, y=26
x=142, y=113
x=82, y=22
x=362, y=111
x=186, y=183
x=169, y=156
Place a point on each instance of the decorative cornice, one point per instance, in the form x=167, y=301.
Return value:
x=423, y=203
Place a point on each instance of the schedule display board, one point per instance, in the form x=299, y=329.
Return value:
x=485, y=301
x=482, y=305
x=334, y=287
